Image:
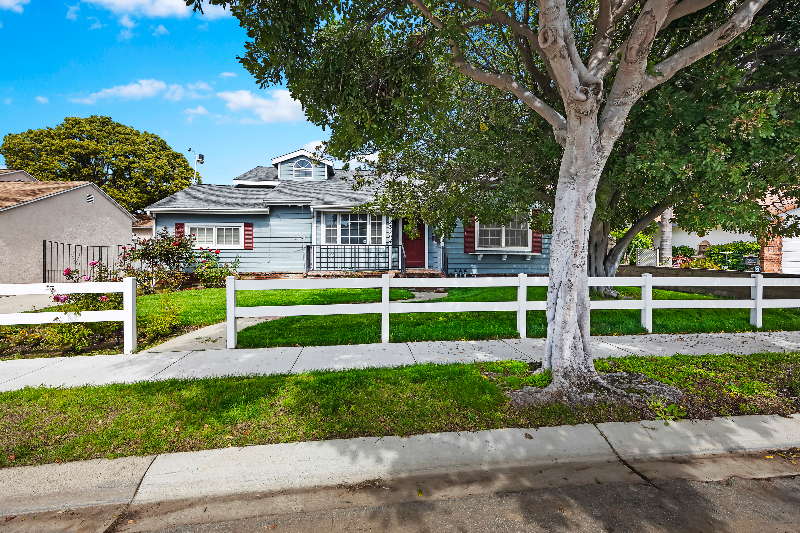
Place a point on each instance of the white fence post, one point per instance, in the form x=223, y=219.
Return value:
x=230, y=310
x=757, y=294
x=129, y=307
x=385, y=308
x=522, y=311
x=647, y=302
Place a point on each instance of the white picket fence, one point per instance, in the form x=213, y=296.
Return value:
x=126, y=315
x=385, y=308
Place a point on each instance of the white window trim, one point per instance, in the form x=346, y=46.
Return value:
x=502, y=249
x=338, y=242
x=295, y=169
x=239, y=225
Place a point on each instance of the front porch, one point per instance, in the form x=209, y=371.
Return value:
x=344, y=258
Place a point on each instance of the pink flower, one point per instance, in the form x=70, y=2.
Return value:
x=93, y=263
x=60, y=298
x=216, y=251
x=103, y=298
x=124, y=247
x=87, y=278
x=201, y=247
x=67, y=271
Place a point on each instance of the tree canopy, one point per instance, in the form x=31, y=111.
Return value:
x=135, y=168
x=368, y=69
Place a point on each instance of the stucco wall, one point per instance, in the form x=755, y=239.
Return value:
x=680, y=237
x=65, y=217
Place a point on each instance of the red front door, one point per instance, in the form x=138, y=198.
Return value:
x=415, y=248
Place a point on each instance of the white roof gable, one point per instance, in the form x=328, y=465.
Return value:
x=301, y=152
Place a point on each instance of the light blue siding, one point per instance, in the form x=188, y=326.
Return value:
x=279, y=238
x=494, y=264
x=286, y=169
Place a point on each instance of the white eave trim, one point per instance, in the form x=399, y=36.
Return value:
x=257, y=211
x=301, y=152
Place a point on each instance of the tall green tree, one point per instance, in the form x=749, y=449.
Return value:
x=366, y=68
x=135, y=168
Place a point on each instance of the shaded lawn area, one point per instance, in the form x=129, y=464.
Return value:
x=41, y=425
x=362, y=329
x=204, y=307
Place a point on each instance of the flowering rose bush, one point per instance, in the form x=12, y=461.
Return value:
x=210, y=271
x=75, y=337
x=161, y=260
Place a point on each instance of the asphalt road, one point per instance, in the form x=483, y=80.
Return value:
x=734, y=505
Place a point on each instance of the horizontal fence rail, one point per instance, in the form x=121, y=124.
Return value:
x=645, y=304
x=126, y=315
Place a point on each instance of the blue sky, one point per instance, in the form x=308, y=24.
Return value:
x=149, y=64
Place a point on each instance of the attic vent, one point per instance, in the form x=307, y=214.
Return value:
x=90, y=198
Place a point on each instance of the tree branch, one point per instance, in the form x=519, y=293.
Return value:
x=553, y=22
x=504, y=82
x=604, y=28
x=642, y=223
x=622, y=9
x=686, y=7
x=738, y=23
x=546, y=198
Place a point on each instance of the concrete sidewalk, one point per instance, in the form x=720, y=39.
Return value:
x=153, y=365
x=215, y=484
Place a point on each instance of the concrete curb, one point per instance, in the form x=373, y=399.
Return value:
x=307, y=466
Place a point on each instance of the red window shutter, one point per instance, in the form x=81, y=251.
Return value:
x=180, y=229
x=469, y=236
x=536, y=238
x=248, y=235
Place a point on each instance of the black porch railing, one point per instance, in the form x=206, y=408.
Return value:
x=58, y=256
x=357, y=257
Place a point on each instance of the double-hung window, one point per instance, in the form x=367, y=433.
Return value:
x=223, y=236
x=514, y=236
x=353, y=228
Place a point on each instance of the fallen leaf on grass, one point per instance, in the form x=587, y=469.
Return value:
x=11, y=458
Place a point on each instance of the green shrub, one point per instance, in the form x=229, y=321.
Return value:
x=685, y=251
x=210, y=272
x=735, y=260
x=164, y=321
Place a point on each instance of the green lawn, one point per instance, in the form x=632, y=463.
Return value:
x=362, y=329
x=207, y=306
x=41, y=425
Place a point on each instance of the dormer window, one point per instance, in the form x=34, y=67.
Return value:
x=303, y=169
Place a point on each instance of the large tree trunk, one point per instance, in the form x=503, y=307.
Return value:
x=567, y=350
x=665, y=245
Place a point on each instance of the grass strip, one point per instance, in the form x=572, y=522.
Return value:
x=41, y=425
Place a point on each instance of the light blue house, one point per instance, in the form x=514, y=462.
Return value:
x=296, y=216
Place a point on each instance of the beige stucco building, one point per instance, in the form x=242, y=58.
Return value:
x=75, y=212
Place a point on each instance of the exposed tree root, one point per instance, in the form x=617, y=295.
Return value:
x=628, y=388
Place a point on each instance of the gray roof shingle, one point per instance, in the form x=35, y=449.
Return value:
x=224, y=197
x=259, y=174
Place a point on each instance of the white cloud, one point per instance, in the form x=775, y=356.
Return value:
x=132, y=91
x=72, y=11
x=42, y=100
x=128, y=24
x=199, y=110
x=213, y=12
x=227, y=75
x=147, y=8
x=96, y=25
x=13, y=5
x=160, y=30
x=192, y=90
x=312, y=146
x=279, y=107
